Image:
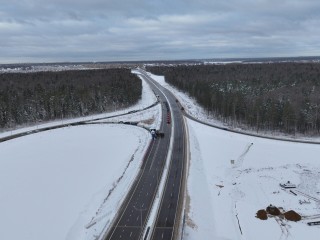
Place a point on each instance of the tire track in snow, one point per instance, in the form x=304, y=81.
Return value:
x=240, y=159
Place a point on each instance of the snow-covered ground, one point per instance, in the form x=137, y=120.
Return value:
x=57, y=184
x=223, y=198
x=220, y=193
x=148, y=119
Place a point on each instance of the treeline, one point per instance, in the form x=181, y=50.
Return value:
x=43, y=96
x=273, y=96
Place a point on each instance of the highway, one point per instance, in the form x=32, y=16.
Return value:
x=166, y=226
x=133, y=215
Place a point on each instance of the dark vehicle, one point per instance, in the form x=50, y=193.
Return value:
x=160, y=134
x=156, y=133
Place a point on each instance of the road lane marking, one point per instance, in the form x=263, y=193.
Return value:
x=155, y=155
x=134, y=191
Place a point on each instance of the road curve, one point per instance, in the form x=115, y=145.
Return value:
x=76, y=123
x=248, y=134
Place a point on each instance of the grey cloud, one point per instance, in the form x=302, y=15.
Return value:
x=97, y=30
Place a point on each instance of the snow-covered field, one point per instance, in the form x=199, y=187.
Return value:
x=221, y=193
x=56, y=184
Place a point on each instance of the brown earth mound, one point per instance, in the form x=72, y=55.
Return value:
x=292, y=216
x=262, y=214
x=272, y=210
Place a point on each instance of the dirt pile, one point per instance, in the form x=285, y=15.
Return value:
x=273, y=210
x=292, y=216
x=262, y=214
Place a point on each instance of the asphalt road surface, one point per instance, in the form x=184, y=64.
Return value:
x=169, y=212
x=133, y=215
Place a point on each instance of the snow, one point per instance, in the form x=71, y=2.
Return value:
x=223, y=198
x=148, y=119
x=220, y=191
x=190, y=104
x=53, y=184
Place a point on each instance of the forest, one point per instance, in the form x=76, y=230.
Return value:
x=281, y=97
x=42, y=96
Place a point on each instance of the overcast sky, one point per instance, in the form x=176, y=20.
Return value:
x=120, y=30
